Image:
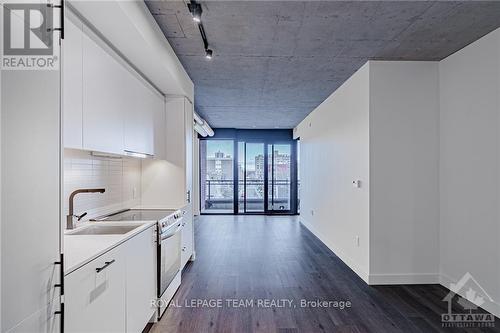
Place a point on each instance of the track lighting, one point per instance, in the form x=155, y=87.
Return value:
x=196, y=11
x=208, y=54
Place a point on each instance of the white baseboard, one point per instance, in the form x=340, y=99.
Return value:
x=382, y=279
x=354, y=266
x=398, y=279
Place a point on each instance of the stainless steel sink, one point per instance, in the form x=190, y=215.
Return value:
x=104, y=230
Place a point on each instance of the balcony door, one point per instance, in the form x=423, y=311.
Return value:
x=279, y=178
x=248, y=176
x=251, y=181
x=217, y=176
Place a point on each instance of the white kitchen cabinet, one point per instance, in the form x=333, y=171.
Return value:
x=160, y=143
x=188, y=133
x=168, y=183
x=187, y=237
x=141, y=279
x=108, y=107
x=118, y=298
x=95, y=301
x=103, y=97
x=30, y=191
x=72, y=82
x=176, y=135
x=188, y=231
x=139, y=117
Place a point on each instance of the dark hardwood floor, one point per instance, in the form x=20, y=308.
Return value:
x=260, y=259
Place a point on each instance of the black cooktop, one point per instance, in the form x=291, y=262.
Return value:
x=138, y=215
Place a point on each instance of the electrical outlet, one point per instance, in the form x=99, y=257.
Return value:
x=357, y=241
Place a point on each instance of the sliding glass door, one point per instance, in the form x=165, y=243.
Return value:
x=279, y=178
x=248, y=176
x=217, y=176
x=251, y=177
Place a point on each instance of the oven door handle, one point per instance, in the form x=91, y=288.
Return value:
x=170, y=233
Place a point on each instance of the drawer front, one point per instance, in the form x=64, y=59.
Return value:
x=95, y=298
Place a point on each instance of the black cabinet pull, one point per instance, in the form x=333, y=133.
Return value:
x=106, y=264
x=61, y=18
x=61, y=295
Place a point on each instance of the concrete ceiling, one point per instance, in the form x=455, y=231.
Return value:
x=274, y=62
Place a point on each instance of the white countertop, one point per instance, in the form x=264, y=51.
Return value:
x=81, y=249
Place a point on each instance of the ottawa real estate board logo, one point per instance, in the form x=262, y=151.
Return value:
x=28, y=36
x=464, y=301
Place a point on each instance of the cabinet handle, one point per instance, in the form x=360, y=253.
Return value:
x=61, y=19
x=60, y=285
x=106, y=264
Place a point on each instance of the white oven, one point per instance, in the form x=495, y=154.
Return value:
x=169, y=259
x=170, y=255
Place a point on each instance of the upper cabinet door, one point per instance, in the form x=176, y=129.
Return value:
x=176, y=132
x=160, y=129
x=104, y=100
x=139, y=117
x=72, y=76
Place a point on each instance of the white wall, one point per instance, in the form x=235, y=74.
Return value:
x=120, y=177
x=380, y=127
x=470, y=166
x=334, y=151
x=404, y=197
x=434, y=179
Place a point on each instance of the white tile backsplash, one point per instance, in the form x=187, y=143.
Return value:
x=120, y=177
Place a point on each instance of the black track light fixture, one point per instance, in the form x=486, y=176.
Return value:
x=208, y=54
x=195, y=10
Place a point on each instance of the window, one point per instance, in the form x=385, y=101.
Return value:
x=216, y=176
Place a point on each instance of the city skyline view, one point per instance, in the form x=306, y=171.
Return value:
x=217, y=171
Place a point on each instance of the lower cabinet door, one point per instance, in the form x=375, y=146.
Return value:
x=187, y=238
x=141, y=279
x=95, y=298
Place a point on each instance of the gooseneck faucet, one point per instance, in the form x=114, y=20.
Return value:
x=71, y=215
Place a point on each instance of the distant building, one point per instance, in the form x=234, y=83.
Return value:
x=220, y=167
x=281, y=166
x=219, y=176
x=259, y=166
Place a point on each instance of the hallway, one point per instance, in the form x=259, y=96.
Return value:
x=252, y=272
